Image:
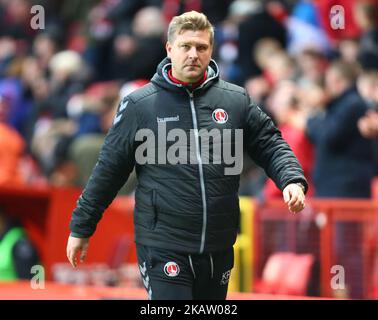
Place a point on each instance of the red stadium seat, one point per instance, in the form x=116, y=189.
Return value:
x=285, y=273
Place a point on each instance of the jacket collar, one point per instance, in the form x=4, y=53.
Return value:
x=161, y=77
x=193, y=85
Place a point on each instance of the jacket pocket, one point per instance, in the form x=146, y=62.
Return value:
x=145, y=213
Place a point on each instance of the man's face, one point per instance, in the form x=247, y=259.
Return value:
x=334, y=83
x=190, y=54
x=367, y=84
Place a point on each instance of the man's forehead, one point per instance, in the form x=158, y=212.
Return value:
x=195, y=37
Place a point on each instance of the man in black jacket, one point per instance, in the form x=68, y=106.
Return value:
x=183, y=132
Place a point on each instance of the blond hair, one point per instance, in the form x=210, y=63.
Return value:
x=191, y=20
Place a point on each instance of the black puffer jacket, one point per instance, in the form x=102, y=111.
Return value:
x=190, y=207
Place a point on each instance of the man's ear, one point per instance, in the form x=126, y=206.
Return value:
x=168, y=48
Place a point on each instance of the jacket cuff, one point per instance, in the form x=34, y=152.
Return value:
x=78, y=235
x=296, y=181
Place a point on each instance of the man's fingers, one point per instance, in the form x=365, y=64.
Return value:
x=297, y=208
x=294, y=197
x=76, y=246
x=297, y=205
x=71, y=252
x=71, y=255
x=83, y=254
x=296, y=201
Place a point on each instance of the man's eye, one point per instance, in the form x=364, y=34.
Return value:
x=201, y=48
x=185, y=46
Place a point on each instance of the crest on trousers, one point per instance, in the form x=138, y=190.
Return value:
x=220, y=116
x=171, y=269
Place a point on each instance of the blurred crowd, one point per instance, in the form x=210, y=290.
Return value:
x=317, y=79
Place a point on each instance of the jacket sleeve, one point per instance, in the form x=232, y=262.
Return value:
x=265, y=145
x=115, y=163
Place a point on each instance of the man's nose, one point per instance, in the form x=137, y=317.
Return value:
x=193, y=53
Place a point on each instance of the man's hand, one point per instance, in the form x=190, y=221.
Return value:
x=368, y=125
x=74, y=246
x=294, y=197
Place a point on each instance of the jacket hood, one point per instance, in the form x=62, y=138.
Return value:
x=161, y=77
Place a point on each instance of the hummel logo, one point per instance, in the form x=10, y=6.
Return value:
x=119, y=113
x=143, y=269
x=123, y=106
x=176, y=118
x=117, y=118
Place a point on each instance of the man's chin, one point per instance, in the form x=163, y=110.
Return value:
x=193, y=76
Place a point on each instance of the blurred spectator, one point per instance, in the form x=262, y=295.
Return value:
x=15, y=22
x=264, y=51
x=17, y=253
x=11, y=148
x=260, y=24
x=11, y=89
x=92, y=112
x=33, y=89
x=69, y=11
x=136, y=53
x=368, y=125
x=84, y=150
x=45, y=45
x=106, y=22
x=305, y=31
x=68, y=76
x=367, y=84
x=90, y=116
x=366, y=15
x=312, y=97
x=226, y=39
x=281, y=67
x=284, y=105
x=344, y=165
x=312, y=66
x=8, y=49
x=349, y=48
x=259, y=88
x=125, y=10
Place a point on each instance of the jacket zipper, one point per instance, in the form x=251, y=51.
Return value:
x=202, y=179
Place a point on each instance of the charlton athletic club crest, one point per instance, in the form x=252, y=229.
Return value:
x=220, y=116
x=171, y=269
